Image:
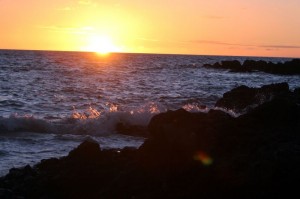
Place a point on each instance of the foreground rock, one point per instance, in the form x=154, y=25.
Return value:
x=188, y=155
x=287, y=68
x=243, y=98
x=132, y=130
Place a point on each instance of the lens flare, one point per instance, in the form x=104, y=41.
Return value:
x=204, y=158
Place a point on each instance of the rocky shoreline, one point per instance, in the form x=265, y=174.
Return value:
x=287, y=68
x=187, y=155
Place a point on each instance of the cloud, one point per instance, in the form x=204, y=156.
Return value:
x=66, y=29
x=64, y=9
x=246, y=45
x=213, y=17
x=280, y=46
x=85, y=2
x=164, y=42
x=146, y=39
x=219, y=43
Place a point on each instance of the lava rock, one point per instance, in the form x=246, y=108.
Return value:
x=86, y=150
x=132, y=130
x=187, y=155
x=287, y=68
x=243, y=97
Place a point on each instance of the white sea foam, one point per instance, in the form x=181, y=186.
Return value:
x=88, y=122
x=231, y=112
x=23, y=123
x=194, y=107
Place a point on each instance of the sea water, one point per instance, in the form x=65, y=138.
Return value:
x=52, y=101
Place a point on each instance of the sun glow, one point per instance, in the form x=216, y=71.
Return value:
x=102, y=45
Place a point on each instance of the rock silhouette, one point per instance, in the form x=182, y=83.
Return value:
x=287, y=68
x=243, y=97
x=187, y=155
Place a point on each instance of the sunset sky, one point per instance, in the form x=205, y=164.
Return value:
x=209, y=27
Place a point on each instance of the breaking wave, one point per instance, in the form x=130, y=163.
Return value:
x=89, y=122
x=96, y=122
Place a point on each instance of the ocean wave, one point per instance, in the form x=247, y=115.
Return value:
x=90, y=122
x=10, y=102
x=3, y=153
x=95, y=122
x=23, y=123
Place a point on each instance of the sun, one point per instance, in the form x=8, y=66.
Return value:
x=102, y=45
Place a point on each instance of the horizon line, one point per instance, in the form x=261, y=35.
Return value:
x=184, y=54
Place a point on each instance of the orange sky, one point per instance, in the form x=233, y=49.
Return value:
x=214, y=27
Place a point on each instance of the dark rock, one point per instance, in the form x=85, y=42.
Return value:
x=217, y=65
x=293, y=66
x=243, y=97
x=176, y=136
x=243, y=149
x=89, y=150
x=6, y=194
x=287, y=68
x=297, y=95
x=237, y=99
x=259, y=65
x=249, y=63
x=171, y=142
x=274, y=114
x=132, y=130
x=21, y=172
x=231, y=64
x=187, y=155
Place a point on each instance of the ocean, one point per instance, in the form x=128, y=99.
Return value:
x=52, y=101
